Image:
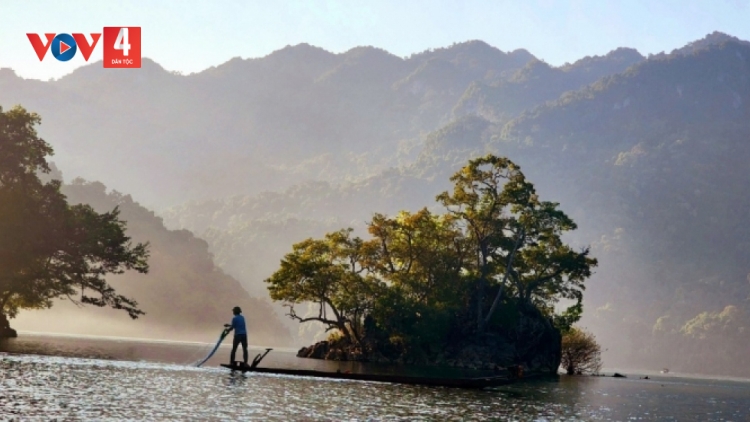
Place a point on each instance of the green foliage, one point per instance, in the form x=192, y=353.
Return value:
x=564, y=322
x=48, y=248
x=414, y=283
x=421, y=257
x=330, y=274
x=514, y=236
x=715, y=325
x=581, y=354
x=23, y=151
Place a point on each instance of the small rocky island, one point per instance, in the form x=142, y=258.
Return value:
x=534, y=345
x=473, y=287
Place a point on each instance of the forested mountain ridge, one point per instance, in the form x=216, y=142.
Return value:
x=662, y=151
x=250, y=125
x=538, y=82
x=714, y=38
x=279, y=118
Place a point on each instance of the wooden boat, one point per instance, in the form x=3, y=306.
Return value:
x=473, y=383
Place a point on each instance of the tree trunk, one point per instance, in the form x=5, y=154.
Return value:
x=505, y=279
x=5, y=330
x=481, y=289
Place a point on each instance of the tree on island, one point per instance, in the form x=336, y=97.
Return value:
x=330, y=274
x=48, y=248
x=425, y=282
x=581, y=354
x=513, y=236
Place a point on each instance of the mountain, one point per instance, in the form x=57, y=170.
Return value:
x=250, y=125
x=537, y=82
x=185, y=295
x=712, y=39
x=659, y=154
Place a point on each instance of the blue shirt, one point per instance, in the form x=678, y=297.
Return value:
x=238, y=323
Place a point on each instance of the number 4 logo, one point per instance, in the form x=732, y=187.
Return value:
x=121, y=43
x=122, y=47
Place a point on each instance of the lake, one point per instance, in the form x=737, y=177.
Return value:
x=44, y=377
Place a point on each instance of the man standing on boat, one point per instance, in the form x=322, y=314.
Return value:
x=240, y=334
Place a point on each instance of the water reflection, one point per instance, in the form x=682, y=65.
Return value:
x=156, y=385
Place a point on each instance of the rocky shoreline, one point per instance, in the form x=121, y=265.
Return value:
x=469, y=358
x=533, y=345
x=328, y=351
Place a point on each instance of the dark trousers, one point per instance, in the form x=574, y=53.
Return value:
x=239, y=339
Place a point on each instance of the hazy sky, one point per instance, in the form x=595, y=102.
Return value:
x=190, y=36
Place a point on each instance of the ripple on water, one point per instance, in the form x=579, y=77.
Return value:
x=48, y=387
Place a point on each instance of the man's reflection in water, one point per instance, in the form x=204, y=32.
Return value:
x=236, y=379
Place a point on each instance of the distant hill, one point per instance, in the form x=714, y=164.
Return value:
x=659, y=154
x=712, y=39
x=537, y=82
x=185, y=295
x=251, y=125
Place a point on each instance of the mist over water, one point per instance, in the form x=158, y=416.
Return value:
x=67, y=319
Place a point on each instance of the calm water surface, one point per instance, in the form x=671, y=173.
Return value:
x=48, y=378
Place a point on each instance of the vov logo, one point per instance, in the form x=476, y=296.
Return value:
x=122, y=46
x=64, y=46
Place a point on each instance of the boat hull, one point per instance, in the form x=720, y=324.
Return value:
x=471, y=383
